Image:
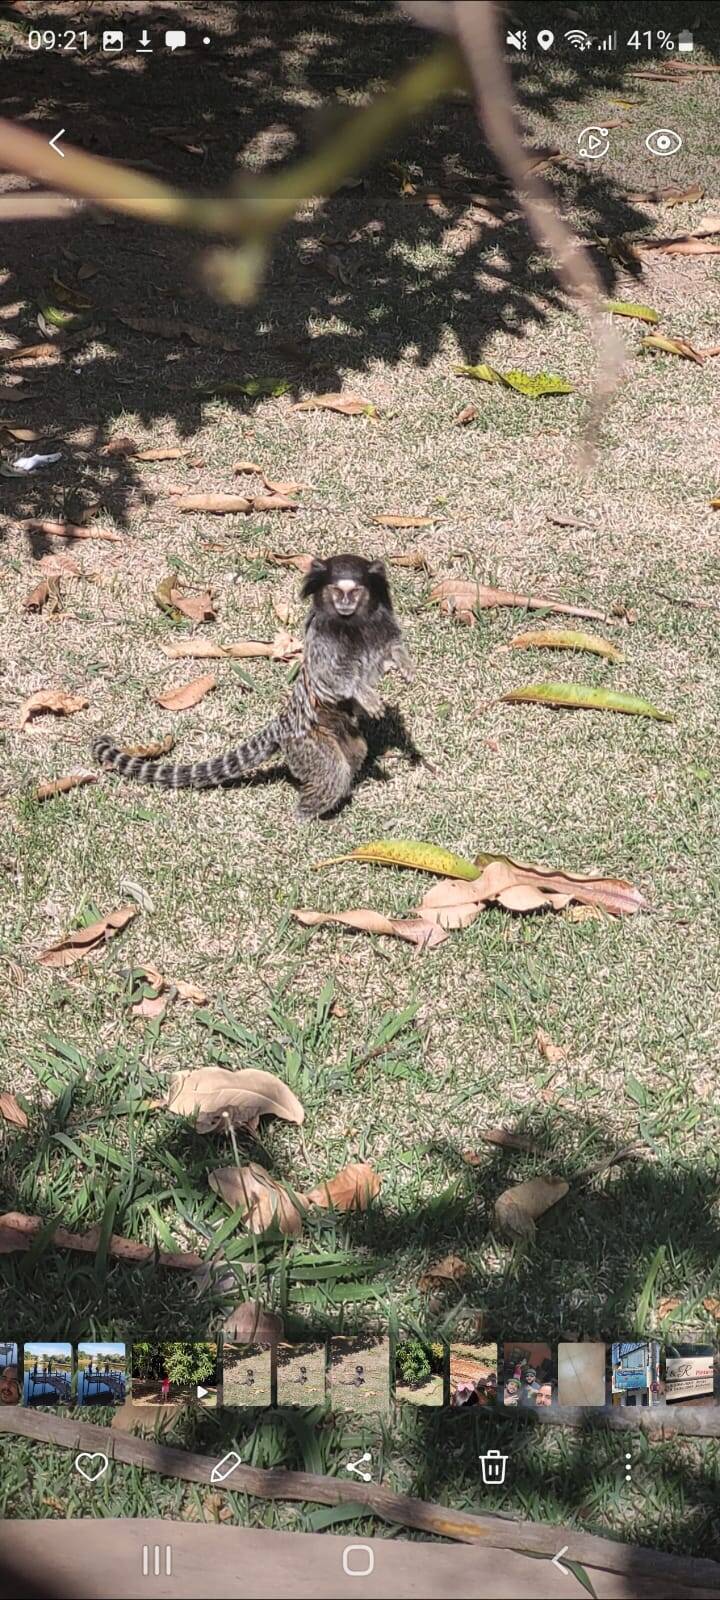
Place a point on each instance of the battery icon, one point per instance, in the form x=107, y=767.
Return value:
x=685, y=42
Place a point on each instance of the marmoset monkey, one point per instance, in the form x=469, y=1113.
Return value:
x=351, y=639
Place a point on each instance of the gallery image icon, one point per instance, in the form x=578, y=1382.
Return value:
x=225, y=1466
x=113, y=39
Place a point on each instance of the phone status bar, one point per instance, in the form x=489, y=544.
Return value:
x=645, y=41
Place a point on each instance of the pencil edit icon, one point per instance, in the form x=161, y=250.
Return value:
x=225, y=1466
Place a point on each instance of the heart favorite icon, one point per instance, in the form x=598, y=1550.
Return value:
x=91, y=1466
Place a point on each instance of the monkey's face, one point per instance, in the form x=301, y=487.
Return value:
x=347, y=587
x=347, y=597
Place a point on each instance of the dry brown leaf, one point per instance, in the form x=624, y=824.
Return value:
x=17, y=1232
x=389, y=519
x=301, y=562
x=30, y=352
x=11, y=1110
x=668, y=1304
x=414, y=560
x=56, y=701
x=550, y=1051
x=189, y=991
x=282, y=609
x=508, y=1140
x=712, y=1305
x=249, y=466
x=250, y=1323
x=38, y=597
x=274, y=486
x=82, y=941
x=23, y=435
x=672, y=347
x=462, y=597
x=195, y=649
x=219, y=1098
x=152, y=1007
x=173, y=328
x=222, y=504
x=501, y=878
x=160, y=455
x=119, y=445
x=452, y=1269
x=74, y=780
x=62, y=565
x=263, y=1202
x=152, y=750
x=517, y=1210
x=450, y=904
x=284, y=647
x=198, y=607
x=186, y=695
x=468, y=414
x=348, y=405
x=413, y=929
x=670, y=194
x=69, y=530
x=350, y=1190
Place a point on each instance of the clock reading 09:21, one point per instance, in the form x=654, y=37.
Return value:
x=47, y=39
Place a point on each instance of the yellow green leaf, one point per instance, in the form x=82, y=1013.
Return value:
x=627, y=308
x=410, y=853
x=163, y=597
x=532, y=385
x=566, y=639
x=537, y=384
x=484, y=373
x=57, y=317
x=672, y=347
x=585, y=697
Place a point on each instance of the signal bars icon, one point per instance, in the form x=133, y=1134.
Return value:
x=608, y=43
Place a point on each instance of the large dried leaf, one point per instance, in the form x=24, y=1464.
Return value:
x=535, y=386
x=628, y=308
x=561, y=639
x=18, y=1232
x=408, y=853
x=672, y=347
x=170, y=598
x=195, y=649
x=38, y=597
x=284, y=647
x=301, y=562
x=275, y=486
x=389, y=519
x=462, y=597
x=451, y=904
x=222, y=504
x=517, y=1210
x=614, y=895
x=219, y=1098
x=548, y=1049
x=173, y=328
x=350, y=1190
x=69, y=530
x=263, y=1202
x=452, y=1269
x=81, y=942
x=508, y=1141
x=74, y=780
x=250, y=1323
x=186, y=695
x=669, y=194
x=585, y=697
x=11, y=1111
x=412, y=929
x=54, y=701
x=348, y=405
x=468, y=414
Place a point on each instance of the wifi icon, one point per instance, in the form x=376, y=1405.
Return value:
x=579, y=39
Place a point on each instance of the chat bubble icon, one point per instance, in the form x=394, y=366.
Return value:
x=175, y=39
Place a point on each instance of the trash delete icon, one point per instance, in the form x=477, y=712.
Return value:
x=493, y=1466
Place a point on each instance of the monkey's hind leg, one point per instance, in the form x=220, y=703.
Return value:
x=325, y=768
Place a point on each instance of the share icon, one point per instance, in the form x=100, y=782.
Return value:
x=357, y=1466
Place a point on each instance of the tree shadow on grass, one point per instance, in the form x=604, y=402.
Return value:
x=397, y=276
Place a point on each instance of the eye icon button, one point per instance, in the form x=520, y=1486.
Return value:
x=663, y=142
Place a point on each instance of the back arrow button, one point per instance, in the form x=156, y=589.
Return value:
x=53, y=143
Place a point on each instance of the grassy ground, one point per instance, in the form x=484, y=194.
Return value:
x=399, y=1061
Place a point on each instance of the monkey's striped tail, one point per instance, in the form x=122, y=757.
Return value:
x=196, y=774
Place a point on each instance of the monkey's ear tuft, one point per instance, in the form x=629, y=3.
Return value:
x=377, y=568
x=315, y=579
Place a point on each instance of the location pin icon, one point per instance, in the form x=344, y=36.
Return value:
x=545, y=38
